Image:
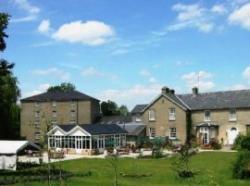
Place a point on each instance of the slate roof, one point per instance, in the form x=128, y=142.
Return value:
x=218, y=100
x=95, y=129
x=59, y=96
x=115, y=119
x=133, y=129
x=138, y=108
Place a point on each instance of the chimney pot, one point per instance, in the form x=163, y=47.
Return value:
x=165, y=90
x=195, y=91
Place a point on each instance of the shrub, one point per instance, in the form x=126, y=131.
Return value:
x=237, y=142
x=241, y=168
x=157, y=153
x=245, y=143
x=214, y=144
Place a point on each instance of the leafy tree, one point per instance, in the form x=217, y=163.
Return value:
x=9, y=92
x=64, y=87
x=109, y=108
x=123, y=110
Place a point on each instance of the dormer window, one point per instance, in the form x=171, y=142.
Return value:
x=172, y=114
x=207, y=115
x=232, y=115
x=151, y=115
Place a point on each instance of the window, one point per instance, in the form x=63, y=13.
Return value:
x=37, y=124
x=207, y=115
x=53, y=104
x=37, y=135
x=172, y=114
x=54, y=114
x=151, y=115
x=73, y=105
x=37, y=104
x=37, y=115
x=73, y=114
x=172, y=134
x=232, y=115
x=138, y=119
x=151, y=132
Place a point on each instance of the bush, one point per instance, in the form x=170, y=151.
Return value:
x=214, y=144
x=241, y=168
x=237, y=142
x=245, y=143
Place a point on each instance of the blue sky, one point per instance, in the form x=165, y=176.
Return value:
x=127, y=50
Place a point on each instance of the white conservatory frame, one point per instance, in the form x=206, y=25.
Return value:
x=79, y=139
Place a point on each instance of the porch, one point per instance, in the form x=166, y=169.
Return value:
x=206, y=133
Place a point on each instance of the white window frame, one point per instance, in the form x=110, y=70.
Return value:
x=53, y=103
x=171, y=136
x=152, y=132
x=37, y=115
x=232, y=115
x=54, y=114
x=138, y=118
x=151, y=115
x=172, y=114
x=37, y=135
x=205, y=117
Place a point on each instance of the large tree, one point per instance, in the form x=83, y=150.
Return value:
x=110, y=108
x=64, y=87
x=9, y=92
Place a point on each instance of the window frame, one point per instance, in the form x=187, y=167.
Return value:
x=152, y=132
x=230, y=115
x=205, y=117
x=151, y=115
x=171, y=136
x=172, y=115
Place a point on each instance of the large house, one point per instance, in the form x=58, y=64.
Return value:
x=216, y=115
x=41, y=111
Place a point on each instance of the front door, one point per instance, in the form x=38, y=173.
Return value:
x=204, y=131
x=232, y=134
x=78, y=146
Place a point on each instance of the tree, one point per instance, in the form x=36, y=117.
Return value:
x=64, y=87
x=109, y=108
x=9, y=92
x=123, y=110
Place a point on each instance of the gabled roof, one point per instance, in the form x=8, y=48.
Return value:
x=138, y=108
x=59, y=96
x=217, y=100
x=115, y=119
x=94, y=129
x=133, y=128
x=171, y=97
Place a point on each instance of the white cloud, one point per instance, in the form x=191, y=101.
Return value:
x=52, y=72
x=219, y=9
x=25, y=5
x=188, y=12
x=92, y=72
x=200, y=79
x=40, y=89
x=31, y=10
x=241, y=16
x=183, y=63
x=145, y=72
x=89, y=33
x=44, y=26
x=136, y=94
x=246, y=73
x=191, y=16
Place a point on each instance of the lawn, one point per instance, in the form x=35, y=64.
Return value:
x=215, y=168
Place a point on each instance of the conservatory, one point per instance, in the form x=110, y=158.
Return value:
x=86, y=139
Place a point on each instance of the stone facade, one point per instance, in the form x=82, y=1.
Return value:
x=37, y=117
x=162, y=123
x=222, y=120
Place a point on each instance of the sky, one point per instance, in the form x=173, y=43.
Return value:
x=127, y=50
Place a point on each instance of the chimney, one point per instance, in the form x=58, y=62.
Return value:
x=172, y=91
x=195, y=91
x=165, y=90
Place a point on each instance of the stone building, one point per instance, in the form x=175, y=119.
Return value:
x=215, y=115
x=40, y=112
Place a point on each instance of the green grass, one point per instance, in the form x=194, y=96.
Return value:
x=215, y=168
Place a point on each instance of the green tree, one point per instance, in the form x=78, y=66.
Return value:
x=109, y=108
x=64, y=87
x=123, y=110
x=9, y=92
